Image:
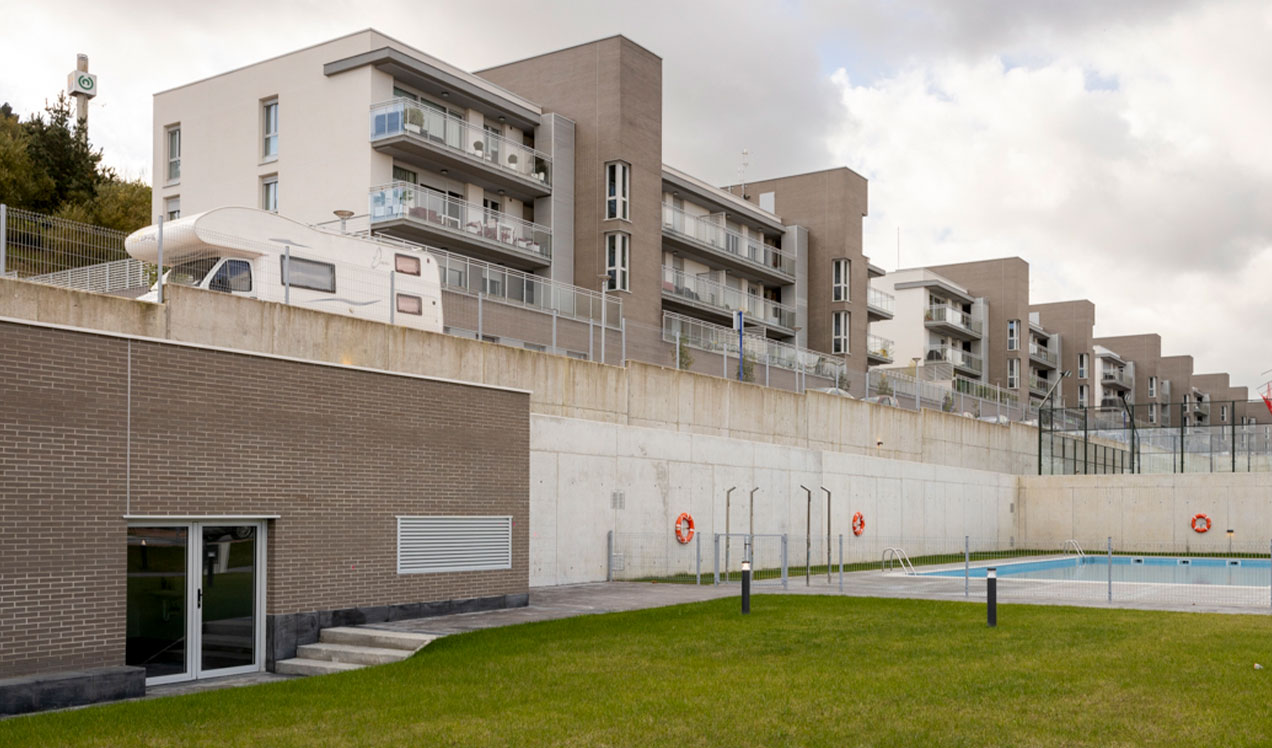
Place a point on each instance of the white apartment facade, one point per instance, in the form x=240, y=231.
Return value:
x=935, y=322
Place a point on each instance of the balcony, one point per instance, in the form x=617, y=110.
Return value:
x=707, y=295
x=879, y=349
x=1038, y=386
x=1116, y=379
x=1042, y=356
x=748, y=255
x=951, y=321
x=422, y=215
x=439, y=141
x=879, y=304
x=962, y=360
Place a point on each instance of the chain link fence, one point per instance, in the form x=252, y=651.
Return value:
x=54, y=251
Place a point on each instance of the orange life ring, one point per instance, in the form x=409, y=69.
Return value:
x=858, y=523
x=684, y=522
x=1203, y=518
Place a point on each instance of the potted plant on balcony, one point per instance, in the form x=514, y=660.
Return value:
x=683, y=354
x=885, y=387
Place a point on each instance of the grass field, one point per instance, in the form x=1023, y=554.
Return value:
x=829, y=671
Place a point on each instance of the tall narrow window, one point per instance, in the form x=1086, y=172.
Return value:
x=840, y=334
x=840, y=269
x=617, y=190
x=1013, y=334
x=1152, y=386
x=269, y=194
x=1152, y=412
x=617, y=247
x=1083, y=395
x=269, y=130
x=1013, y=373
x=1083, y=361
x=1223, y=413
x=172, y=208
x=491, y=150
x=174, y=153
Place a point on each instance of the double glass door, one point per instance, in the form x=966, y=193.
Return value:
x=195, y=599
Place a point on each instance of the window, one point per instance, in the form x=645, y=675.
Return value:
x=317, y=276
x=406, y=264
x=841, y=272
x=1152, y=386
x=493, y=134
x=269, y=130
x=1223, y=413
x=172, y=208
x=490, y=205
x=234, y=276
x=269, y=193
x=1013, y=335
x=174, y=153
x=617, y=246
x=408, y=304
x=617, y=190
x=405, y=175
x=841, y=322
x=1083, y=360
x=1013, y=373
x=1083, y=395
x=1152, y=412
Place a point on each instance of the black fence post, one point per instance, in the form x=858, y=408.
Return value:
x=991, y=596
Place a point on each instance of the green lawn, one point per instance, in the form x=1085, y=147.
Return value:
x=798, y=671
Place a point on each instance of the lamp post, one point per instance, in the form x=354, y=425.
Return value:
x=343, y=215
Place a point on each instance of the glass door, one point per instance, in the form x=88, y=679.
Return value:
x=195, y=599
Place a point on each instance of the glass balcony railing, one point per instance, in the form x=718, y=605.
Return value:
x=1117, y=377
x=406, y=117
x=879, y=346
x=705, y=336
x=951, y=316
x=749, y=248
x=403, y=200
x=711, y=293
x=1042, y=355
x=956, y=356
x=1038, y=385
x=880, y=300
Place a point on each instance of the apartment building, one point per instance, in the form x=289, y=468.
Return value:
x=544, y=175
x=1150, y=390
x=1020, y=353
x=936, y=323
x=1074, y=323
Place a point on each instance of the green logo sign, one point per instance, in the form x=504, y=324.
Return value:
x=85, y=82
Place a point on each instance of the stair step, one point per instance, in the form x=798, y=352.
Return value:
x=302, y=666
x=351, y=653
x=381, y=639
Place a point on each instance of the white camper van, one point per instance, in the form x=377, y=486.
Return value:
x=262, y=255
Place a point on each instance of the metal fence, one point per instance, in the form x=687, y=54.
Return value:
x=661, y=557
x=55, y=251
x=962, y=396
x=1084, y=441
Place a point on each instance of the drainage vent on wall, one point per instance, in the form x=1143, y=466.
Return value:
x=437, y=544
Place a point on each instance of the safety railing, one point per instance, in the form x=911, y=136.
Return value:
x=402, y=200
x=941, y=314
x=714, y=294
x=880, y=300
x=753, y=249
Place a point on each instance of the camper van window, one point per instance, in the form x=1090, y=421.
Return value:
x=233, y=276
x=318, y=276
x=407, y=304
x=407, y=264
x=191, y=273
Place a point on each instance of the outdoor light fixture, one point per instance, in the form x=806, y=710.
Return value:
x=746, y=587
x=343, y=215
x=991, y=596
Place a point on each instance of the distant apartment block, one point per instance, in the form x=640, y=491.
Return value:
x=537, y=180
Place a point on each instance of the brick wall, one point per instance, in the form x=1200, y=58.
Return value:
x=337, y=453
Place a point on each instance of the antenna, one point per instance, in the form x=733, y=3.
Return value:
x=746, y=161
x=898, y=247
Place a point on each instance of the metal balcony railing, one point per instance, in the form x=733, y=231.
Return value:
x=951, y=316
x=406, y=117
x=956, y=356
x=749, y=248
x=404, y=200
x=720, y=339
x=877, y=345
x=1116, y=376
x=711, y=293
x=1038, y=385
x=881, y=300
x=1042, y=355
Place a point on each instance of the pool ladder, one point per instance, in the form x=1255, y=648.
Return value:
x=1072, y=544
x=898, y=555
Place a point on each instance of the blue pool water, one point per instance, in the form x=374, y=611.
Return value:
x=1149, y=569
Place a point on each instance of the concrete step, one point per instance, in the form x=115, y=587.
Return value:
x=380, y=639
x=302, y=666
x=351, y=654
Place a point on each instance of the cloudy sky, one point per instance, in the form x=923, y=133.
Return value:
x=1121, y=148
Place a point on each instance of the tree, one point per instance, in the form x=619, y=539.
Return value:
x=22, y=182
x=63, y=153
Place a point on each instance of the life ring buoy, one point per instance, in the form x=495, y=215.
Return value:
x=858, y=523
x=684, y=527
x=1200, y=517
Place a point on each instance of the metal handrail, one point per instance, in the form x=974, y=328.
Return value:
x=720, y=296
x=1071, y=543
x=398, y=200
x=880, y=299
x=896, y=554
x=750, y=248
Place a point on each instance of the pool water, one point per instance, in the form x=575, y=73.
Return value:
x=1150, y=569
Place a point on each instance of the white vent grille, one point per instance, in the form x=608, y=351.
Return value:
x=435, y=544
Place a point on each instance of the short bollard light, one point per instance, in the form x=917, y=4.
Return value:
x=991, y=595
x=746, y=586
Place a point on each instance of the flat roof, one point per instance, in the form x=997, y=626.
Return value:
x=722, y=198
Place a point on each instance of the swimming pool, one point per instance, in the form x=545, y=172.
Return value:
x=1150, y=569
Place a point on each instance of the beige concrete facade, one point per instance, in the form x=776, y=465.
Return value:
x=1074, y=321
